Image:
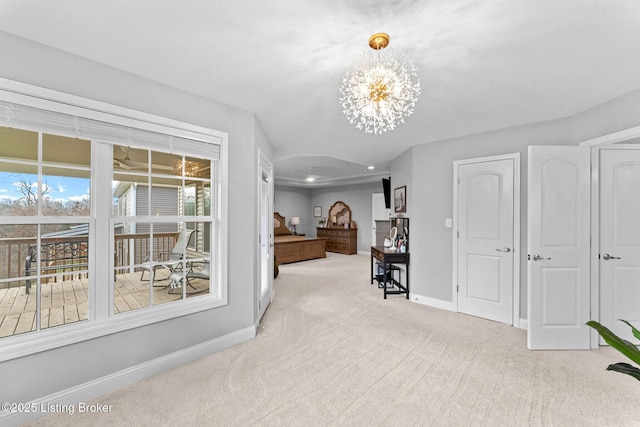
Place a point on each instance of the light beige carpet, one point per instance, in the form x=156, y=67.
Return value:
x=332, y=352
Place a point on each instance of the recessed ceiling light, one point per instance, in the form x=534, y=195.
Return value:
x=309, y=179
x=371, y=167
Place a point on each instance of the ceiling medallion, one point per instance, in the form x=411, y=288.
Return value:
x=381, y=90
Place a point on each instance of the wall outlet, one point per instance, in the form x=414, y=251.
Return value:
x=448, y=223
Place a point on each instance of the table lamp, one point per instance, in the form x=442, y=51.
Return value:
x=295, y=221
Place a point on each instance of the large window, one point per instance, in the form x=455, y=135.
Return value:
x=162, y=232
x=83, y=240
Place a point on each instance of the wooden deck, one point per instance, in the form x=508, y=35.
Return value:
x=66, y=302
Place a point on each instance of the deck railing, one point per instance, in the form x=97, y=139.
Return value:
x=135, y=248
x=67, y=257
x=13, y=255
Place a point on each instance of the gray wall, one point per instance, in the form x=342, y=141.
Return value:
x=402, y=169
x=615, y=115
x=295, y=201
x=65, y=367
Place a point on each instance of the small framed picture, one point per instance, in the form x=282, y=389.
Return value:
x=400, y=199
x=317, y=211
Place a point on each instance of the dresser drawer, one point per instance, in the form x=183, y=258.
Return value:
x=329, y=233
x=338, y=247
x=342, y=240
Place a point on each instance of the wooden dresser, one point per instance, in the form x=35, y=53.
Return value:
x=341, y=240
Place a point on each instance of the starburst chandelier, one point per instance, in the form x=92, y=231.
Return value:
x=381, y=90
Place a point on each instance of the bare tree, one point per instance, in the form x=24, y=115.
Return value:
x=26, y=188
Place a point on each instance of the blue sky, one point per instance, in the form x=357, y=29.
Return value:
x=64, y=189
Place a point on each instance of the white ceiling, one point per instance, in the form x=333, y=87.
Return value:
x=484, y=65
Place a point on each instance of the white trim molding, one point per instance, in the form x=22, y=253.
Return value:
x=613, y=138
x=432, y=302
x=608, y=141
x=517, y=252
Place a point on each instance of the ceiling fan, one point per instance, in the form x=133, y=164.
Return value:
x=127, y=163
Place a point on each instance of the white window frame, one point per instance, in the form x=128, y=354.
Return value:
x=101, y=322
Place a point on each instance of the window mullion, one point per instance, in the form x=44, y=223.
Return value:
x=38, y=281
x=39, y=191
x=102, y=276
x=39, y=201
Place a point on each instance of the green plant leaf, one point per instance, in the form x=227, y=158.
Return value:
x=625, y=368
x=623, y=346
x=636, y=333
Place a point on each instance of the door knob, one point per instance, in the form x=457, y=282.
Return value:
x=537, y=257
x=505, y=249
x=607, y=257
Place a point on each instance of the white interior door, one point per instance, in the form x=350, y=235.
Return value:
x=619, y=256
x=559, y=247
x=485, y=230
x=379, y=212
x=265, y=206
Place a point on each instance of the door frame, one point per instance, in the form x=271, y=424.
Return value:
x=605, y=141
x=515, y=321
x=595, y=248
x=375, y=196
x=264, y=166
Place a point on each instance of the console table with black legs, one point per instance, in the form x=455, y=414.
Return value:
x=388, y=257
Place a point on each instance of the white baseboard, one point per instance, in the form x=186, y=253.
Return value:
x=446, y=305
x=70, y=398
x=432, y=302
x=524, y=324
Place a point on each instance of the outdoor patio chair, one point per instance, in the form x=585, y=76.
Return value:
x=203, y=273
x=171, y=260
x=175, y=278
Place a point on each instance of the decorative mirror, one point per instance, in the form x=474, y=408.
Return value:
x=402, y=225
x=394, y=233
x=339, y=215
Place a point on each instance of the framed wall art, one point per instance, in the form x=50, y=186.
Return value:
x=400, y=199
